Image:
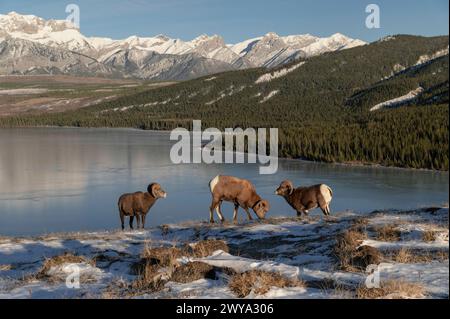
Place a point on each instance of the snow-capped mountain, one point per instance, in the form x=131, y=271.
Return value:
x=133, y=55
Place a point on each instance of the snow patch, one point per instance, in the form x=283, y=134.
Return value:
x=277, y=74
x=411, y=96
x=269, y=96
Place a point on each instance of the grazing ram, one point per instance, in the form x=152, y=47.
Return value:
x=138, y=204
x=303, y=199
x=241, y=192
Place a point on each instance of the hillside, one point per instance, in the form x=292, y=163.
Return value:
x=321, y=104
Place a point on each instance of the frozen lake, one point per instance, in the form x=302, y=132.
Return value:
x=68, y=179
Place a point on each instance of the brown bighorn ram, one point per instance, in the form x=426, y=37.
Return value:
x=238, y=191
x=303, y=199
x=138, y=204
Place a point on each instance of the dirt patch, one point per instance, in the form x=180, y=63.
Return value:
x=259, y=282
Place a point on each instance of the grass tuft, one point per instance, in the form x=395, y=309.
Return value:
x=393, y=289
x=352, y=257
x=388, y=233
x=260, y=282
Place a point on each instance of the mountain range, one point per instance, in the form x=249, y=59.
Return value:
x=32, y=45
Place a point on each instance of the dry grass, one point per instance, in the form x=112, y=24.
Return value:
x=350, y=256
x=162, y=256
x=159, y=265
x=429, y=236
x=259, y=282
x=5, y=267
x=149, y=280
x=56, y=261
x=205, y=248
x=408, y=256
x=63, y=259
x=388, y=233
x=359, y=224
x=196, y=270
x=393, y=289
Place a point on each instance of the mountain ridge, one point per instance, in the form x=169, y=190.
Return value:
x=270, y=50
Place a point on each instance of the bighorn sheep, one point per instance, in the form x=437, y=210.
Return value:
x=138, y=204
x=303, y=199
x=241, y=192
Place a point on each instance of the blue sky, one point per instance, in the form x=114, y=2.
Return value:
x=237, y=20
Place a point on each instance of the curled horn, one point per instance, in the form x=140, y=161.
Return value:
x=291, y=187
x=151, y=189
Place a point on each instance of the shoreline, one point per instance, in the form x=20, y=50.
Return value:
x=205, y=223
x=347, y=164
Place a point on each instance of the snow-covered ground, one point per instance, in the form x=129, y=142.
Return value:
x=296, y=249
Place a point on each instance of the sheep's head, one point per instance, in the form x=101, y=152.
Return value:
x=156, y=191
x=261, y=208
x=286, y=188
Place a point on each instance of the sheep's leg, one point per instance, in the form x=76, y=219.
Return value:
x=138, y=221
x=324, y=210
x=236, y=207
x=211, y=208
x=219, y=212
x=122, y=220
x=248, y=214
x=219, y=207
x=309, y=206
x=131, y=221
x=143, y=221
x=324, y=205
x=328, y=210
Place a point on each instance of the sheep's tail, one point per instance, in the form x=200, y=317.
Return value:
x=326, y=192
x=213, y=183
x=330, y=190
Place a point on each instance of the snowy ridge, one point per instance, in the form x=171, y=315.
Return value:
x=269, y=50
x=277, y=74
x=269, y=96
x=409, y=97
